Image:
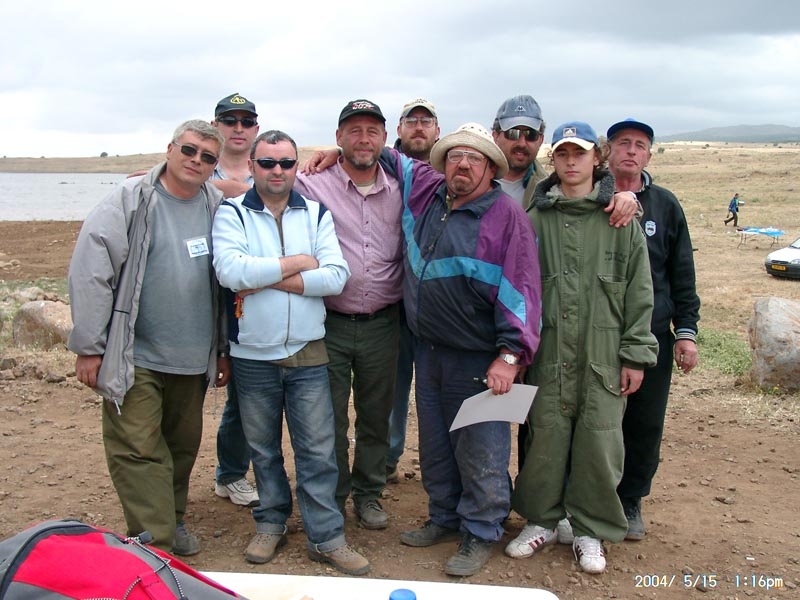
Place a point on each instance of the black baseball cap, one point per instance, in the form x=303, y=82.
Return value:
x=630, y=123
x=361, y=107
x=235, y=102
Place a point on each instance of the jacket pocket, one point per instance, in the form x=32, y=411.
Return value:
x=610, y=302
x=603, y=406
x=544, y=412
x=550, y=300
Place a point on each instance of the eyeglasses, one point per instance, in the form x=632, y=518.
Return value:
x=191, y=151
x=231, y=121
x=514, y=134
x=271, y=163
x=473, y=158
x=426, y=122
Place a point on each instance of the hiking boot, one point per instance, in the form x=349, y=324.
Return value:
x=185, y=542
x=392, y=474
x=564, y=532
x=531, y=538
x=263, y=546
x=428, y=535
x=472, y=554
x=343, y=559
x=589, y=553
x=370, y=514
x=239, y=492
x=633, y=512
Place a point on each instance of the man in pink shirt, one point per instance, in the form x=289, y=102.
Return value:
x=362, y=326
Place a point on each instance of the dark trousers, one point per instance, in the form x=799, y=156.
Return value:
x=363, y=355
x=643, y=424
x=464, y=472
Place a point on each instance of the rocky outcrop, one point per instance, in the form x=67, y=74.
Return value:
x=775, y=343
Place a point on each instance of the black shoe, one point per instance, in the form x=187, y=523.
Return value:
x=473, y=553
x=633, y=513
x=429, y=535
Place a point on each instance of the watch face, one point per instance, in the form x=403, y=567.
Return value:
x=509, y=359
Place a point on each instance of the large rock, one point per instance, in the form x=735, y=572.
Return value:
x=42, y=324
x=775, y=343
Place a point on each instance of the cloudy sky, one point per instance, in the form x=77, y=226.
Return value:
x=81, y=78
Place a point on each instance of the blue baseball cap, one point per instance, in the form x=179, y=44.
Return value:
x=519, y=111
x=630, y=123
x=575, y=132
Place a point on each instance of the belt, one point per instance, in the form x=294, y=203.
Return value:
x=362, y=316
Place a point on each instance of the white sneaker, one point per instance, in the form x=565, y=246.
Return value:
x=564, y=532
x=531, y=538
x=239, y=492
x=589, y=553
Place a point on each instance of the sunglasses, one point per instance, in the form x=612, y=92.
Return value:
x=191, y=151
x=231, y=121
x=271, y=163
x=514, y=134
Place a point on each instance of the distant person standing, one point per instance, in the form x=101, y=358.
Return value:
x=733, y=210
x=235, y=117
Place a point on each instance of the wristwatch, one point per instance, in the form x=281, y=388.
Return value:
x=509, y=359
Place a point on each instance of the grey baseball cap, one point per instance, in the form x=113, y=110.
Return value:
x=519, y=111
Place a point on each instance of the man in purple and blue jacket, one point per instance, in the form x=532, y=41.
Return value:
x=473, y=299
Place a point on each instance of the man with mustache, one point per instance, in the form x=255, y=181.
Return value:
x=362, y=327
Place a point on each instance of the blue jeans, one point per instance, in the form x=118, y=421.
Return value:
x=266, y=391
x=465, y=473
x=402, y=389
x=233, y=455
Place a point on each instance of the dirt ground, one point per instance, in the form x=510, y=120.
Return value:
x=722, y=518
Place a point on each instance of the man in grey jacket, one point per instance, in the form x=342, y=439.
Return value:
x=146, y=317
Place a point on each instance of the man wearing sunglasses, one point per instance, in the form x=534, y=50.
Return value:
x=278, y=250
x=146, y=317
x=235, y=117
x=518, y=130
x=237, y=120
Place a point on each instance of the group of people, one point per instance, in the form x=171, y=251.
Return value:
x=456, y=261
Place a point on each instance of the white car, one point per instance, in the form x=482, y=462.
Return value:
x=784, y=262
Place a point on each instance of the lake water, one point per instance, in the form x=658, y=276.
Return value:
x=53, y=196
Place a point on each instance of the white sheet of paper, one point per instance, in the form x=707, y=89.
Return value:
x=512, y=407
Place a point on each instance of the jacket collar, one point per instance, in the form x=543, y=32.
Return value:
x=479, y=205
x=545, y=195
x=252, y=201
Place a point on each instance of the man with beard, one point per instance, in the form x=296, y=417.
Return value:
x=472, y=293
x=418, y=130
x=518, y=130
x=362, y=327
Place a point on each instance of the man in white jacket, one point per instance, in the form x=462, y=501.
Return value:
x=278, y=252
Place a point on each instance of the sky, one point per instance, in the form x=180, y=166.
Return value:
x=82, y=78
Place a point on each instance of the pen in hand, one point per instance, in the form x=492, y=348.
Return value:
x=482, y=380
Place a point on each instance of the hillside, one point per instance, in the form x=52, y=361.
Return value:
x=739, y=134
